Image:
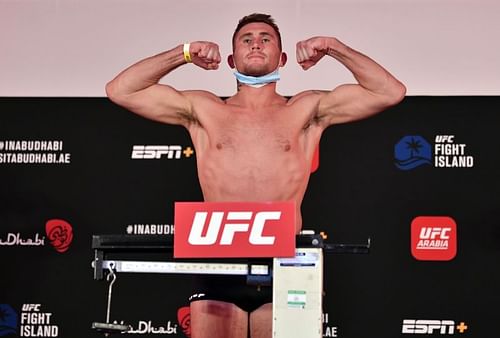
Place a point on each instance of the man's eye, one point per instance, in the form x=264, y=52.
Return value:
x=265, y=40
x=246, y=40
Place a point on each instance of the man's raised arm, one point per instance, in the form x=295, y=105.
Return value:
x=137, y=88
x=375, y=91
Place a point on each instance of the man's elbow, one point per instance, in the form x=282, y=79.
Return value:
x=113, y=92
x=397, y=93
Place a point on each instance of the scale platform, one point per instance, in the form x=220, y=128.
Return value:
x=297, y=286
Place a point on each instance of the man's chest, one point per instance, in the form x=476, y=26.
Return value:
x=283, y=128
x=266, y=131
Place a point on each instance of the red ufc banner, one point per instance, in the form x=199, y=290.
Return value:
x=234, y=229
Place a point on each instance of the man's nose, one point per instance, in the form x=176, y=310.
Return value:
x=256, y=45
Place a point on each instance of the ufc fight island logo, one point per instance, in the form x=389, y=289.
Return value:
x=433, y=238
x=234, y=229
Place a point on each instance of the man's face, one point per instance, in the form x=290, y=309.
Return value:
x=256, y=49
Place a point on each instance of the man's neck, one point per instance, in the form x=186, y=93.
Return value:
x=250, y=97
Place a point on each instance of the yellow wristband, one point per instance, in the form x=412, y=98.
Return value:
x=187, y=55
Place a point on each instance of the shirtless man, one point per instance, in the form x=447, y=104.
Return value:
x=255, y=145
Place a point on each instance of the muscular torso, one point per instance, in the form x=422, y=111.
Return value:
x=246, y=154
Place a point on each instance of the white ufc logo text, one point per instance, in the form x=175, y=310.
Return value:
x=242, y=224
x=434, y=232
x=31, y=307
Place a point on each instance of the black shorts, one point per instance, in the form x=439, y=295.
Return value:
x=231, y=289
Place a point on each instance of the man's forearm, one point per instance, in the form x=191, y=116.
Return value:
x=146, y=73
x=367, y=72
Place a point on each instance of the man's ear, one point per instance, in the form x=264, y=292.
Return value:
x=283, y=59
x=230, y=61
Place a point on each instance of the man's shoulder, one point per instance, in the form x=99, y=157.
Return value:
x=307, y=95
x=202, y=95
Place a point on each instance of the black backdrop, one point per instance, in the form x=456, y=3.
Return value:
x=358, y=192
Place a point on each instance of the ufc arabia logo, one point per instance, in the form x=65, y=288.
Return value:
x=436, y=238
x=433, y=238
x=156, y=152
x=228, y=229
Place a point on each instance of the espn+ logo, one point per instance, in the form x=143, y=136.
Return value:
x=431, y=326
x=433, y=238
x=156, y=152
x=229, y=229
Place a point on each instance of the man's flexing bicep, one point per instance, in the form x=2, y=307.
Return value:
x=375, y=91
x=137, y=88
x=157, y=102
x=351, y=102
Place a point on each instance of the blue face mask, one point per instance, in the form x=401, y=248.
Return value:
x=257, y=81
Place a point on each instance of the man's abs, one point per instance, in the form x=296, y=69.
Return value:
x=253, y=177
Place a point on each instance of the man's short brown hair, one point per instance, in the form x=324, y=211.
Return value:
x=258, y=17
